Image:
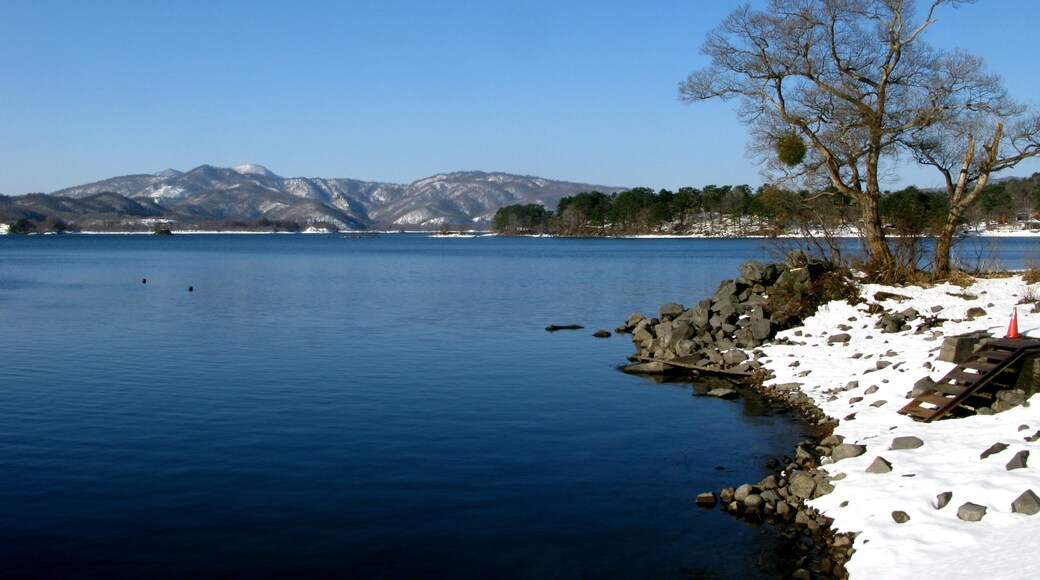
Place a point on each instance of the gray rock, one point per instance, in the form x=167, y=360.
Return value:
x=650, y=368
x=734, y=357
x=832, y=440
x=879, y=465
x=601, y=334
x=871, y=390
x=759, y=272
x=957, y=349
x=671, y=310
x=642, y=335
x=753, y=502
x=922, y=386
x=726, y=495
x=943, y=499
x=770, y=482
x=634, y=319
x=742, y=492
x=706, y=499
x=971, y=512
x=908, y=442
x=847, y=450
x=1019, y=460
x=993, y=449
x=801, y=484
x=975, y=312
x=726, y=292
x=1028, y=503
x=842, y=338
x=723, y=393
x=900, y=517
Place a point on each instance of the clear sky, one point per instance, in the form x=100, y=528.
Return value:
x=397, y=90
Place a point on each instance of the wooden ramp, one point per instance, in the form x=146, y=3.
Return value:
x=974, y=382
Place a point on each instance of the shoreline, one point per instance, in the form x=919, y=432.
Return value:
x=871, y=506
x=1004, y=233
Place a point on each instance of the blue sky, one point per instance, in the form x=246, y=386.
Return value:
x=396, y=90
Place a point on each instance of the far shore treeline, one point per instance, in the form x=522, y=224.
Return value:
x=768, y=210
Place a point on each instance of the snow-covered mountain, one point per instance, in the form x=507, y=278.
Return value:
x=250, y=191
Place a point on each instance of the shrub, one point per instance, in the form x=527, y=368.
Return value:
x=792, y=302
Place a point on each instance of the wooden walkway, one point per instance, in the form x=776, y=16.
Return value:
x=974, y=382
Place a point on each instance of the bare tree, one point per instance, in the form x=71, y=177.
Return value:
x=853, y=78
x=967, y=148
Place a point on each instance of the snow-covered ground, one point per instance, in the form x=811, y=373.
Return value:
x=934, y=543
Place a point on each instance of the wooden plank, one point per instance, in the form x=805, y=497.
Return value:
x=950, y=388
x=935, y=399
x=963, y=377
x=984, y=367
x=686, y=364
x=997, y=355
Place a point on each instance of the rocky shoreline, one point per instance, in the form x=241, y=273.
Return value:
x=717, y=333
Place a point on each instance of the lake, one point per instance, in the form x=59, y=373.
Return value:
x=390, y=407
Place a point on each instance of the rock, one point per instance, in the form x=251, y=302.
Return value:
x=993, y=449
x=1019, y=460
x=634, y=319
x=971, y=512
x=801, y=484
x=847, y=450
x=759, y=272
x=879, y=403
x=900, y=517
x=650, y=368
x=842, y=338
x=871, y=390
x=957, y=349
x=726, y=495
x=908, y=442
x=706, y=499
x=601, y=334
x=723, y=393
x=1027, y=503
x=881, y=296
x=832, y=440
x=555, y=327
x=742, y=492
x=975, y=312
x=670, y=310
x=734, y=357
x=943, y=499
x=879, y=465
x=753, y=502
x=922, y=386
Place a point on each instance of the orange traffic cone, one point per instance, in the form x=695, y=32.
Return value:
x=1013, y=327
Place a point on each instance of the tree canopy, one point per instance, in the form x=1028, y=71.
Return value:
x=854, y=79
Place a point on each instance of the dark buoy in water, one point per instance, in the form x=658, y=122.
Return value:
x=144, y=280
x=191, y=288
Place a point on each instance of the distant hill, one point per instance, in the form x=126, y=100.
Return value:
x=250, y=193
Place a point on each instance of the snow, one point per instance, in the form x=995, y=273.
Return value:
x=253, y=169
x=166, y=192
x=934, y=543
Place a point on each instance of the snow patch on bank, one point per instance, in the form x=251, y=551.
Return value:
x=934, y=543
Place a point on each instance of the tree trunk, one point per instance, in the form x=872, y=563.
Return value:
x=879, y=259
x=943, y=244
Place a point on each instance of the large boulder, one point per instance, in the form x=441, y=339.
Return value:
x=759, y=272
x=670, y=310
x=956, y=349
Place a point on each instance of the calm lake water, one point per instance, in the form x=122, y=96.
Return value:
x=387, y=407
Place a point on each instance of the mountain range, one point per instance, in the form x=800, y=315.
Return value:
x=250, y=193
